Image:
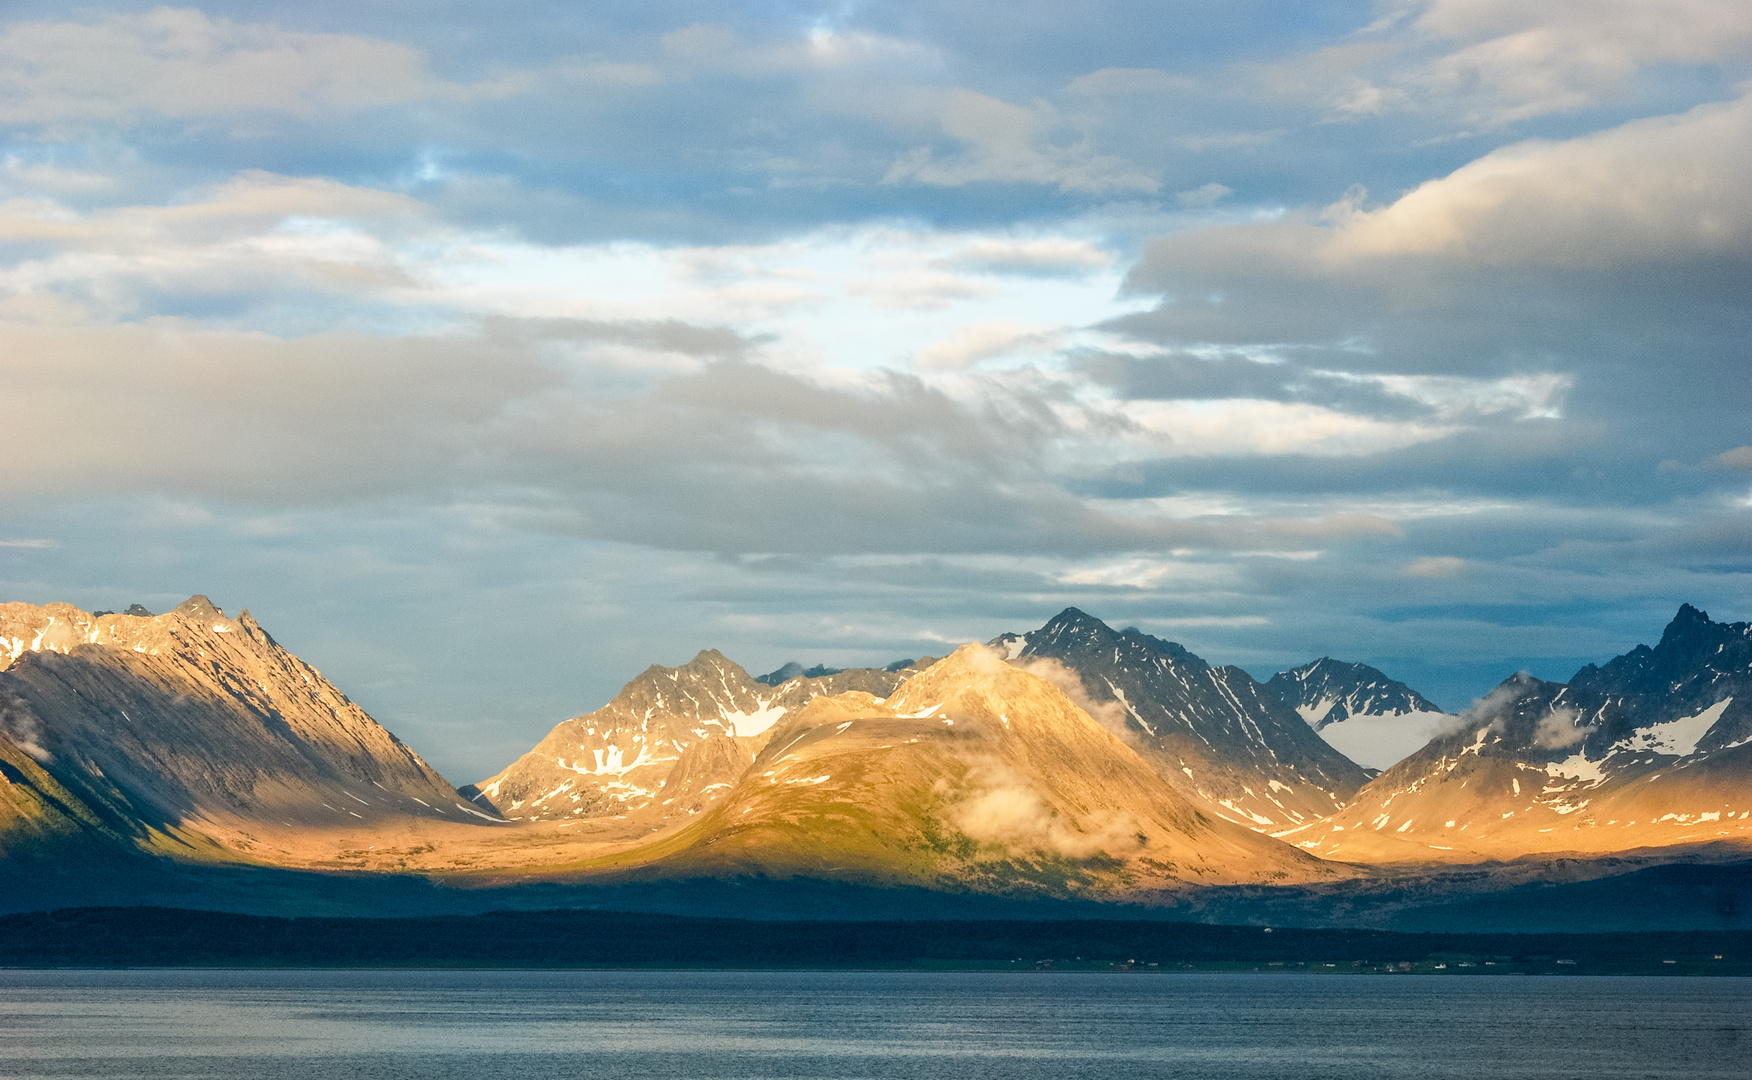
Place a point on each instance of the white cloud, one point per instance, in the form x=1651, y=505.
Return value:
x=251, y=235
x=1666, y=187
x=1435, y=566
x=1254, y=427
x=1452, y=397
x=1203, y=196
x=28, y=176
x=1054, y=254
x=985, y=341
x=182, y=63
x=1516, y=60
x=1113, y=81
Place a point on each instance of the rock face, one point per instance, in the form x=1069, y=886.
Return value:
x=1214, y=733
x=974, y=772
x=1653, y=748
x=1371, y=719
x=698, y=721
x=138, y=726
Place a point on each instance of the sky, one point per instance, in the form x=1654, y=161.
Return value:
x=489, y=354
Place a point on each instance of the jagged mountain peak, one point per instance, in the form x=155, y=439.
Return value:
x=971, y=667
x=1686, y=620
x=794, y=670
x=1328, y=691
x=1067, y=630
x=1374, y=720
x=704, y=661
x=1214, y=732
x=1074, y=615
x=1074, y=628
x=198, y=607
x=783, y=674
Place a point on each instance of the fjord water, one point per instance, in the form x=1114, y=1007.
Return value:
x=387, y=1025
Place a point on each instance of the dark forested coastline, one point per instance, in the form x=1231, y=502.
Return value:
x=169, y=937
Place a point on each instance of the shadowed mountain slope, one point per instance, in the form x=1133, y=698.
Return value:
x=1653, y=748
x=1214, y=733
x=137, y=726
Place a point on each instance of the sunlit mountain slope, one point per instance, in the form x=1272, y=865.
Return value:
x=1214, y=733
x=1653, y=748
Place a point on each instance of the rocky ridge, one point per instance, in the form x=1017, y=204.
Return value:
x=669, y=744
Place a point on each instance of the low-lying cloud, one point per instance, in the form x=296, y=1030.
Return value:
x=1558, y=729
x=1109, y=714
x=996, y=806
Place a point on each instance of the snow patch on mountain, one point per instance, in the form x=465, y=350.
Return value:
x=1678, y=737
x=756, y=721
x=1383, y=741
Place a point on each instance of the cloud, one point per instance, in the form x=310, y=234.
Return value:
x=985, y=341
x=1110, y=714
x=1652, y=189
x=998, y=806
x=1010, y=144
x=1332, y=79
x=1051, y=255
x=243, y=417
x=1492, y=712
x=1111, y=81
x=1516, y=61
x=20, y=726
x=255, y=239
x=1203, y=195
x=183, y=64
x=729, y=457
x=1557, y=729
x=1435, y=566
x=917, y=290
x=1525, y=294
x=1740, y=457
x=1235, y=426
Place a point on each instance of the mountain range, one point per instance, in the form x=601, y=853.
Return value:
x=1652, y=749
x=1074, y=763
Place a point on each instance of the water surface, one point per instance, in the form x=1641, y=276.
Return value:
x=513, y=1025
